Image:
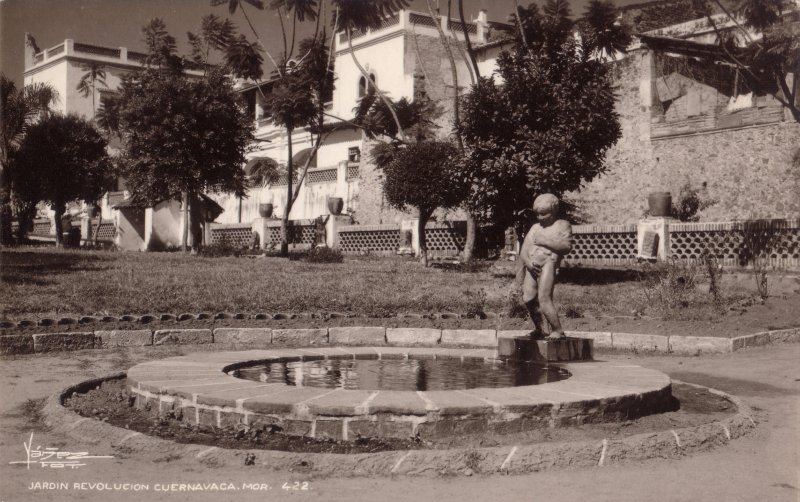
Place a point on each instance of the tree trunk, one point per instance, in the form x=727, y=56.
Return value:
x=288, y=208
x=59, y=212
x=6, y=214
x=470, y=49
x=96, y=228
x=469, y=241
x=185, y=236
x=453, y=73
x=469, y=244
x=423, y=244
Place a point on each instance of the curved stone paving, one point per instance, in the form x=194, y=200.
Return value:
x=198, y=384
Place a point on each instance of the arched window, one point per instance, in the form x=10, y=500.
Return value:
x=362, y=85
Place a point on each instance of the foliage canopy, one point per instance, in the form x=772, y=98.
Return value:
x=181, y=133
x=60, y=159
x=547, y=127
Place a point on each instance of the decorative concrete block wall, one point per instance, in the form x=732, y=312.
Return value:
x=236, y=235
x=603, y=244
x=776, y=241
x=377, y=239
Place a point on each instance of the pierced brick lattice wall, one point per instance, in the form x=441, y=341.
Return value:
x=322, y=176
x=445, y=239
x=352, y=173
x=603, y=244
x=41, y=227
x=301, y=232
x=236, y=235
x=776, y=240
x=382, y=239
x=107, y=230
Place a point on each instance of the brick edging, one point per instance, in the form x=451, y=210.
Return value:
x=518, y=459
x=375, y=335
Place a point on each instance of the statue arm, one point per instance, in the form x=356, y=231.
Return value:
x=558, y=240
x=525, y=249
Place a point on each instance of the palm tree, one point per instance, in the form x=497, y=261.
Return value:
x=20, y=108
x=359, y=15
x=88, y=83
x=233, y=5
x=469, y=245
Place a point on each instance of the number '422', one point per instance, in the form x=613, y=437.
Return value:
x=295, y=486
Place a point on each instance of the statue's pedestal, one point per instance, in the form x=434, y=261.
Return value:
x=524, y=348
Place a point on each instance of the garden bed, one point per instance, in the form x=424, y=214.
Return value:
x=112, y=403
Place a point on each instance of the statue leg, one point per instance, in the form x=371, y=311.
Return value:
x=545, y=294
x=530, y=297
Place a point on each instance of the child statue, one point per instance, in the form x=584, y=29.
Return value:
x=546, y=243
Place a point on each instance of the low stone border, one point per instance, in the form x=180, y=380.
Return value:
x=376, y=335
x=518, y=459
x=200, y=386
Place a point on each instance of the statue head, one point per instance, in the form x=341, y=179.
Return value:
x=546, y=207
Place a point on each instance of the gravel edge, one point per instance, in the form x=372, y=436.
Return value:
x=517, y=459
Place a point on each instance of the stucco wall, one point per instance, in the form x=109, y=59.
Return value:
x=383, y=59
x=65, y=74
x=167, y=225
x=747, y=171
x=130, y=228
x=56, y=76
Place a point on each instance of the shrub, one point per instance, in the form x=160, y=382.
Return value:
x=476, y=303
x=322, y=255
x=690, y=201
x=572, y=311
x=514, y=305
x=669, y=285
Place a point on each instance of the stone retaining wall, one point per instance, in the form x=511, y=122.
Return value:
x=372, y=335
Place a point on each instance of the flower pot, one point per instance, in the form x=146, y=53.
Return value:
x=660, y=204
x=265, y=210
x=335, y=205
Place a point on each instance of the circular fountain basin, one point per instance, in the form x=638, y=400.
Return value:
x=414, y=374
x=203, y=387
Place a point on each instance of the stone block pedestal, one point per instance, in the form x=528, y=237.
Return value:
x=524, y=348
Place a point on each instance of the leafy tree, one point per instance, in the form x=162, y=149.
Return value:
x=766, y=61
x=20, y=108
x=60, y=159
x=423, y=175
x=95, y=75
x=548, y=126
x=181, y=135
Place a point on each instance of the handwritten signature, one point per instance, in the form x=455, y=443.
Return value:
x=55, y=458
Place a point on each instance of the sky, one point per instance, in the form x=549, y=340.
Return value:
x=118, y=23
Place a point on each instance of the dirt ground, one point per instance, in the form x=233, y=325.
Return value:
x=760, y=466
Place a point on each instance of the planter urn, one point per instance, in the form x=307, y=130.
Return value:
x=335, y=205
x=660, y=204
x=265, y=210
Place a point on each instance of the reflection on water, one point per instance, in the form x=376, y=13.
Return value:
x=403, y=374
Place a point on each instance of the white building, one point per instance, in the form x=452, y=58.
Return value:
x=400, y=57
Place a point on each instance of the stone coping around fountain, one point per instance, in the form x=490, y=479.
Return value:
x=375, y=335
x=517, y=459
x=198, y=385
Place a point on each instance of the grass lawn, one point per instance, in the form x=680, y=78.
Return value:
x=45, y=281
